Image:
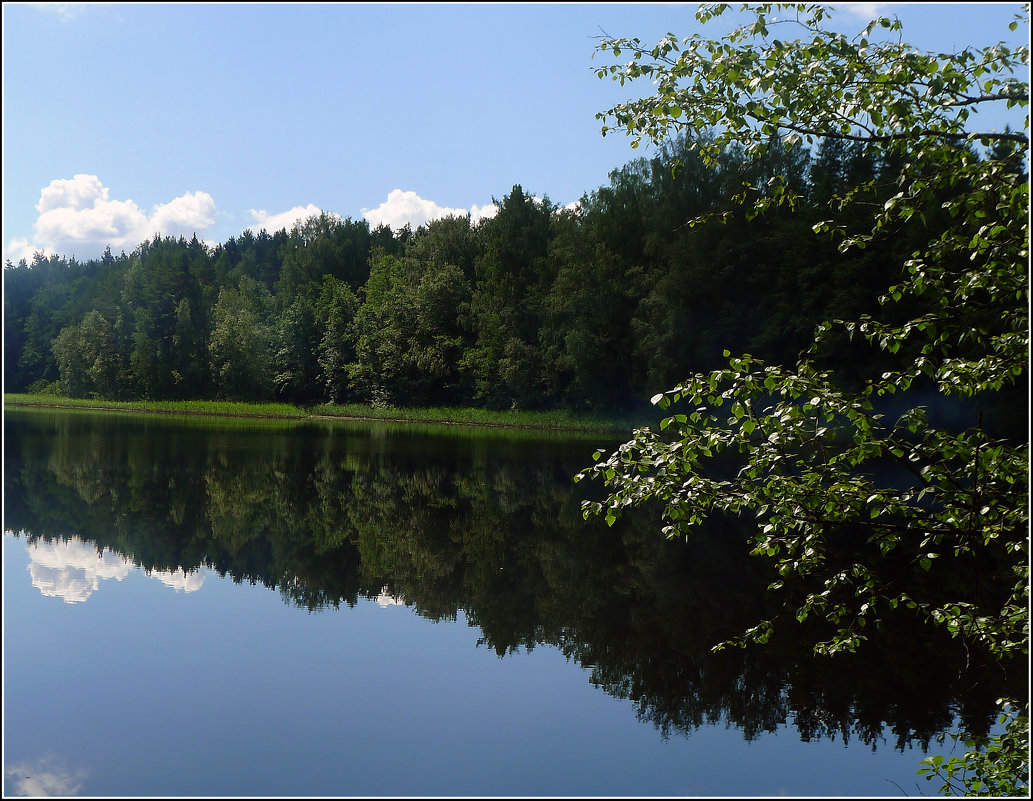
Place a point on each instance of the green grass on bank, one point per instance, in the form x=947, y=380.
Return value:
x=210, y=408
x=560, y=419
x=551, y=420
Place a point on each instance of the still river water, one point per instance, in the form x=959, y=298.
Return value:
x=209, y=609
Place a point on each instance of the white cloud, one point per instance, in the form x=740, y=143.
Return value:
x=285, y=219
x=485, y=212
x=21, y=248
x=78, y=217
x=77, y=193
x=184, y=216
x=865, y=12
x=407, y=208
x=85, y=232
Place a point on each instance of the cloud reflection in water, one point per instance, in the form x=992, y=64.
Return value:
x=72, y=570
x=179, y=579
x=44, y=777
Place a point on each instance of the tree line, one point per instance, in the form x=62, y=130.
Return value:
x=586, y=308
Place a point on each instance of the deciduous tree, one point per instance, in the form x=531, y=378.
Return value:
x=866, y=506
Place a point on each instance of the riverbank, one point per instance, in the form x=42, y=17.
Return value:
x=545, y=421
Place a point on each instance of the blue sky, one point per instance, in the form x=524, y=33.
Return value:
x=120, y=119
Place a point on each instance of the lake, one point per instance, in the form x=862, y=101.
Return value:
x=197, y=607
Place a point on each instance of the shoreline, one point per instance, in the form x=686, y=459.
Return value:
x=288, y=413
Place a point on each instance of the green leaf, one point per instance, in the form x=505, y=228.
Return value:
x=959, y=318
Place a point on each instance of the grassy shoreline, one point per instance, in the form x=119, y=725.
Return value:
x=544, y=421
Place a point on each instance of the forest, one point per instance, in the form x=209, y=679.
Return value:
x=822, y=208
x=589, y=308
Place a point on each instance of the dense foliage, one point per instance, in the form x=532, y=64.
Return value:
x=587, y=309
x=883, y=455
x=815, y=457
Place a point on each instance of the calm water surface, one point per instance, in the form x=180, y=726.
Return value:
x=239, y=609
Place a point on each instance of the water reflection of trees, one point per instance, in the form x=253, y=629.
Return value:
x=493, y=531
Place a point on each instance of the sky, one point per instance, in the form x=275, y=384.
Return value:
x=124, y=120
